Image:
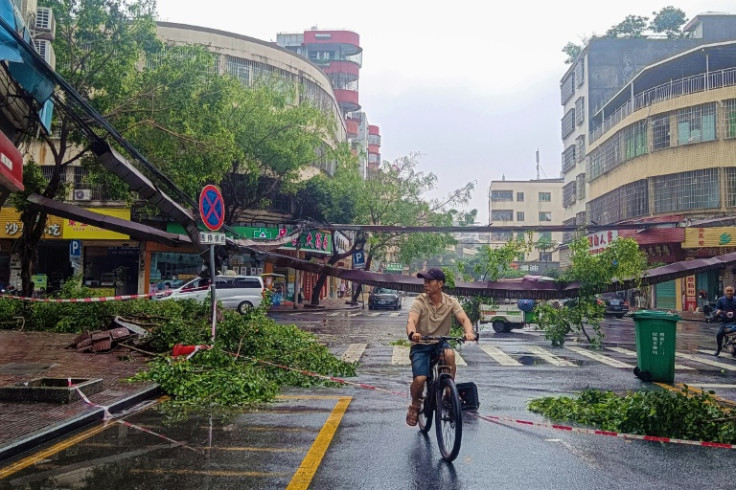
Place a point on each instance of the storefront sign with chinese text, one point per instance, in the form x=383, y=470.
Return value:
x=599, y=241
x=691, y=301
x=718, y=236
x=11, y=226
x=74, y=229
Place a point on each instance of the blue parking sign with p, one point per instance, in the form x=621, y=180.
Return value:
x=75, y=248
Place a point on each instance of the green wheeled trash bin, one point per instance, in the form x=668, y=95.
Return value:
x=655, y=345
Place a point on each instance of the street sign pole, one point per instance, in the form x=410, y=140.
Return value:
x=213, y=292
x=212, y=212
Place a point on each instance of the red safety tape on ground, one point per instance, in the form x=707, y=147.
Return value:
x=161, y=436
x=85, y=300
x=500, y=419
x=582, y=430
x=321, y=376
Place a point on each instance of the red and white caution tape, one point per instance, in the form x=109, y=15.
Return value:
x=582, y=430
x=84, y=398
x=322, y=376
x=85, y=300
x=510, y=420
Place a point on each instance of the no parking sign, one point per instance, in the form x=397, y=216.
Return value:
x=212, y=207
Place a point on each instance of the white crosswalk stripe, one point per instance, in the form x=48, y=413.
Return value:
x=355, y=314
x=400, y=357
x=600, y=358
x=702, y=360
x=354, y=352
x=333, y=314
x=631, y=353
x=373, y=314
x=549, y=357
x=394, y=314
x=499, y=356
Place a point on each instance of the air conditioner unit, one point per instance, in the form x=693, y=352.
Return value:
x=44, y=26
x=82, y=194
x=46, y=50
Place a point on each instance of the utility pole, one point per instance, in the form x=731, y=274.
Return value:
x=537, y=163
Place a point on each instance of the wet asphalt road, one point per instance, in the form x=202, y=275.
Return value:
x=353, y=437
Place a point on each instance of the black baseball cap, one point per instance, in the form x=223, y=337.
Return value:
x=432, y=274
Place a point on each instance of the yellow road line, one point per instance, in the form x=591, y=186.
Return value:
x=680, y=387
x=56, y=448
x=50, y=451
x=308, y=467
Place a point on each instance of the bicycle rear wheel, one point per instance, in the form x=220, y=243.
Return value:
x=427, y=411
x=449, y=419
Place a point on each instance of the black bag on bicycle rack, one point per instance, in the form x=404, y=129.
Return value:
x=468, y=395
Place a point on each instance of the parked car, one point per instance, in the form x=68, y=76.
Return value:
x=384, y=298
x=615, y=305
x=240, y=292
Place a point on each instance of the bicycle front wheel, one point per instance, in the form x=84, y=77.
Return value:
x=427, y=411
x=449, y=419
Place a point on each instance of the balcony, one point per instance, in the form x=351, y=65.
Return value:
x=352, y=127
x=676, y=88
x=346, y=41
x=375, y=149
x=348, y=100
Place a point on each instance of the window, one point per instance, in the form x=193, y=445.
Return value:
x=569, y=194
x=661, y=132
x=545, y=197
x=687, y=190
x=545, y=236
x=502, y=215
x=628, y=201
x=730, y=108
x=545, y=216
x=568, y=158
x=520, y=216
x=502, y=195
x=635, y=140
x=696, y=124
x=520, y=197
x=567, y=124
x=545, y=256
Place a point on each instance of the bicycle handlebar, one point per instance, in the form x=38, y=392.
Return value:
x=445, y=338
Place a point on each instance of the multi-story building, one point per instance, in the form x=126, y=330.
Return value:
x=339, y=55
x=649, y=135
x=528, y=203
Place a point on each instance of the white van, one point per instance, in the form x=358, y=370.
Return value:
x=239, y=292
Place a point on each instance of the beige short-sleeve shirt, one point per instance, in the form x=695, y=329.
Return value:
x=435, y=321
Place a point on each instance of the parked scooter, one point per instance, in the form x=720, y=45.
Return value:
x=709, y=310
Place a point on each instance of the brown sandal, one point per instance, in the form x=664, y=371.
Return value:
x=412, y=415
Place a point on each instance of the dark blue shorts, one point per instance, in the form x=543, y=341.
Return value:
x=421, y=356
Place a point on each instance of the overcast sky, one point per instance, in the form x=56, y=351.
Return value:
x=472, y=86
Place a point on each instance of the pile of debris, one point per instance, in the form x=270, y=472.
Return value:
x=122, y=331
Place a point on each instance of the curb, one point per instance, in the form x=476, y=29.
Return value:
x=311, y=310
x=60, y=428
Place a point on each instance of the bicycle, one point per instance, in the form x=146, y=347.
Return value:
x=441, y=401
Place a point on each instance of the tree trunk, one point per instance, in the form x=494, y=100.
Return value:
x=34, y=224
x=359, y=289
x=334, y=259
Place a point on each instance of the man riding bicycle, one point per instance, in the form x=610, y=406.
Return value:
x=726, y=308
x=430, y=315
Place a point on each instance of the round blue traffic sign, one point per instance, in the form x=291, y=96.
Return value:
x=212, y=207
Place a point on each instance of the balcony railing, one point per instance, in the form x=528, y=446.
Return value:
x=667, y=91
